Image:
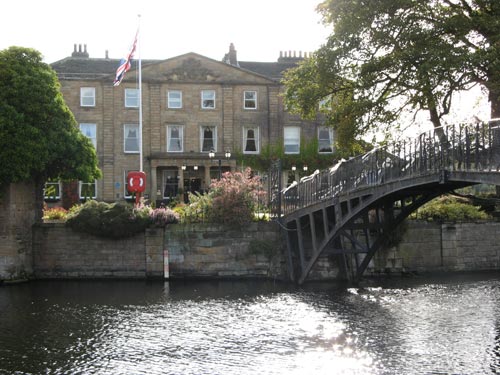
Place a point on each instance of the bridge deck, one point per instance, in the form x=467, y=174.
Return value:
x=352, y=208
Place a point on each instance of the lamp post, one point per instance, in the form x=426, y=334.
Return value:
x=211, y=155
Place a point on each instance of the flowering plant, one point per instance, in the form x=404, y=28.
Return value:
x=162, y=216
x=235, y=197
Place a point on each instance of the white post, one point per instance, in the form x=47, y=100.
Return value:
x=166, y=268
x=140, y=97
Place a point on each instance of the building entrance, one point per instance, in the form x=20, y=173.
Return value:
x=191, y=185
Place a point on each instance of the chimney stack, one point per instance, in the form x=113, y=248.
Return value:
x=231, y=57
x=80, y=52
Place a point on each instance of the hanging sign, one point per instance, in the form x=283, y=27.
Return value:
x=136, y=182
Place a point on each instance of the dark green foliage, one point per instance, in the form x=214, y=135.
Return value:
x=198, y=210
x=115, y=220
x=388, y=56
x=448, y=208
x=39, y=137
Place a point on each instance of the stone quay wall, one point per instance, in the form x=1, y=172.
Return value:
x=207, y=250
x=214, y=251
x=434, y=247
x=196, y=250
x=60, y=252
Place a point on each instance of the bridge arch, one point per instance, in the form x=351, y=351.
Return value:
x=352, y=209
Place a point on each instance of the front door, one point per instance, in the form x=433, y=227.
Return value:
x=191, y=185
x=170, y=184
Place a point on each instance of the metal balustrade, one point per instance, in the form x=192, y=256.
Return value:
x=462, y=147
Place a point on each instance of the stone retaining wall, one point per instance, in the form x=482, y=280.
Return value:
x=59, y=252
x=203, y=250
x=430, y=247
x=206, y=250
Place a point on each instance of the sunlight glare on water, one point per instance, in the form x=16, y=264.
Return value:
x=448, y=326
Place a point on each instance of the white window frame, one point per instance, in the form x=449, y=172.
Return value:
x=214, y=147
x=59, y=189
x=81, y=183
x=174, y=103
x=126, y=127
x=256, y=139
x=250, y=100
x=131, y=98
x=126, y=193
x=325, y=103
x=291, y=140
x=330, y=139
x=84, y=127
x=181, y=137
x=207, y=95
x=87, y=96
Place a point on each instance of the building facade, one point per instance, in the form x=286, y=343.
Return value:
x=193, y=107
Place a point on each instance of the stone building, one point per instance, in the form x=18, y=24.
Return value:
x=191, y=105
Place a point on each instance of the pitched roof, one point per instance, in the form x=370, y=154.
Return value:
x=95, y=68
x=272, y=70
x=89, y=68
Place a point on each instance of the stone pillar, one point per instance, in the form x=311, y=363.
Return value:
x=207, y=176
x=106, y=147
x=228, y=120
x=181, y=178
x=275, y=126
x=154, y=245
x=153, y=188
x=17, y=216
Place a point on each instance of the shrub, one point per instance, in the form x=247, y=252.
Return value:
x=236, y=197
x=198, y=210
x=115, y=220
x=162, y=216
x=56, y=213
x=448, y=208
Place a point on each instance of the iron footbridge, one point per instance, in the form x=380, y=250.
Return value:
x=351, y=209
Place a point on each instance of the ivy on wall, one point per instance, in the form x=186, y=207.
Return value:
x=308, y=156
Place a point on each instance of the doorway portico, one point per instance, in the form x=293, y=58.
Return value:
x=172, y=177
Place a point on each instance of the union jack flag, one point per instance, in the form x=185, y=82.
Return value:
x=125, y=63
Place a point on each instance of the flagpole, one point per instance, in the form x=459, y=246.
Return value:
x=140, y=96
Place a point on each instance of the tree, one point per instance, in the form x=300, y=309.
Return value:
x=39, y=137
x=395, y=55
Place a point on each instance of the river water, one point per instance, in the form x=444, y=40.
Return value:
x=418, y=325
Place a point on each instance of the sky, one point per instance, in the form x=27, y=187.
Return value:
x=259, y=29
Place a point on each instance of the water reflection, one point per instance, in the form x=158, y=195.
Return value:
x=446, y=325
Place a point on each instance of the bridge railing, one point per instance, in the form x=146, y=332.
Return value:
x=462, y=147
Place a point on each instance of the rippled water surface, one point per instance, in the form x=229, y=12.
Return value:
x=448, y=325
